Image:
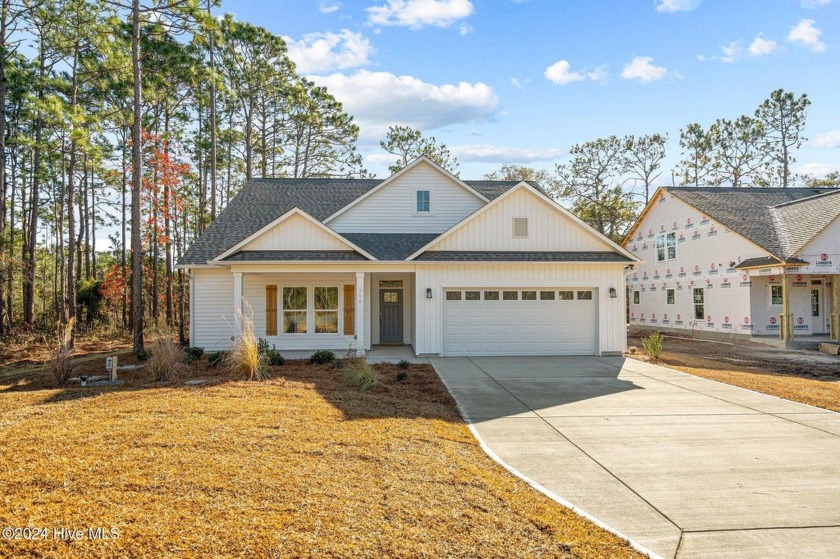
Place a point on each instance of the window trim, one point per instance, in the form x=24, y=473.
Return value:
x=669, y=241
x=701, y=304
x=337, y=310
x=781, y=295
x=304, y=310
x=637, y=298
x=670, y=296
x=415, y=202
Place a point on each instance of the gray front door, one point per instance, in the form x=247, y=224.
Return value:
x=390, y=316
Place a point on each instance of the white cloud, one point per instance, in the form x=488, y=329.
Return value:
x=641, y=68
x=815, y=3
x=465, y=29
x=329, y=7
x=560, y=73
x=761, y=46
x=817, y=169
x=419, y=13
x=731, y=52
x=488, y=153
x=830, y=139
x=380, y=99
x=671, y=6
x=805, y=33
x=324, y=52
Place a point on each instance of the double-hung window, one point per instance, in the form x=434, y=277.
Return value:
x=294, y=310
x=699, y=305
x=424, y=201
x=776, y=295
x=326, y=310
x=666, y=247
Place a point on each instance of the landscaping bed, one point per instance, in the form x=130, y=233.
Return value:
x=302, y=464
x=803, y=376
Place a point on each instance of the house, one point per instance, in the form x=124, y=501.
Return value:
x=737, y=261
x=422, y=258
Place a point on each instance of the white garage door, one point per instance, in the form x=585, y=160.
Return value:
x=515, y=321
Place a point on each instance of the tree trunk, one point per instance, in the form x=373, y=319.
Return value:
x=213, y=154
x=4, y=6
x=136, y=184
x=70, y=286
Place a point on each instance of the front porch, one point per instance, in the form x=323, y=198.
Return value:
x=345, y=312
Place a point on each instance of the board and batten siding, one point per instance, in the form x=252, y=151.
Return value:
x=296, y=233
x=212, y=311
x=392, y=209
x=612, y=335
x=548, y=229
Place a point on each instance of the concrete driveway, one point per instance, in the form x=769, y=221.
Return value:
x=685, y=466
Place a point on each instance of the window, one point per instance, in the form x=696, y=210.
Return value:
x=529, y=295
x=584, y=295
x=491, y=295
x=326, y=310
x=453, y=295
x=666, y=247
x=294, y=310
x=270, y=310
x=473, y=296
x=391, y=283
x=699, y=305
x=566, y=295
x=546, y=295
x=391, y=297
x=510, y=295
x=635, y=297
x=520, y=227
x=669, y=296
x=424, y=201
x=775, y=294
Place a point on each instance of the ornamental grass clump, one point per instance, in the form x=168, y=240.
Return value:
x=166, y=359
x=360, y=374
x=245, y=358
x=653, y=345
x=61, y=365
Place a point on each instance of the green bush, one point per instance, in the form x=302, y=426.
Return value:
x=322, y=356
x=404, y=365
x=402, y=375
x=216, y=358
x=144, y=355
x=653, y=345
x=274, y=358
x=192, y=353
x=360, y=374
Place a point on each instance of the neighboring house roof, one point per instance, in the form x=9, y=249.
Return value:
x=292, y=255
x=471, y=256
x=771, y=218
x=390, y=246
x=262, y=201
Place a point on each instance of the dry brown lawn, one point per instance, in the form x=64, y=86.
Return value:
x=301, y=465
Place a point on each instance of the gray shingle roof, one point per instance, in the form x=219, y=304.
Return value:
x=766, y=261
x=390, y=246
x=262, y=201
x=294, y=255
x=798, y=222
x=748, y=211
x=503, y=256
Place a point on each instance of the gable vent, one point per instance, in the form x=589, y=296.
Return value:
x=520, y=226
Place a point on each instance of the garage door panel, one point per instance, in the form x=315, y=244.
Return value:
x=519, y=327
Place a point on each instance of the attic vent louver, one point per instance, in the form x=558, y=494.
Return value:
x=520, y=227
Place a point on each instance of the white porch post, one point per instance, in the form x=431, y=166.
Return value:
x=237, y=301
x=835, y=307
x=360, y=314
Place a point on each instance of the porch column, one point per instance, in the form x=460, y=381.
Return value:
x=237, y=301
x=786, y=330
x=360, y=314
x=835, y=307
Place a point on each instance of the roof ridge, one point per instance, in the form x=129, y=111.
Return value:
x=830, y=192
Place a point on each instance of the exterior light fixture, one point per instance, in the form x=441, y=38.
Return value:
x=613, y=293
x=428, y=293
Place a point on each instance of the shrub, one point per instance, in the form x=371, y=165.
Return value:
x=245, y=358
x=322, y=356
x=193, y=353
x=143, y=355
x=360, y=374
x=216, y=358
x=274, y=358
x=166, y=360
x=60, y=364
x=404, y=365
x=632, y=350
x=402, y=375
x=653, y=345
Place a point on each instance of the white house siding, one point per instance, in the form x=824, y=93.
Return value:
x=600, y=277
x=296, y=233
x=408, y=304
x=392, y=209
x=548, y=229
x=765, y=315
x=212, y=308
x=253, y=289
x=705, y=250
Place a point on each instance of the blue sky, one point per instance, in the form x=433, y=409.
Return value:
x=520, y=81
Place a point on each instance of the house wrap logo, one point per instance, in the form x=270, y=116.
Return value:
x=682, y=272
x=746, y=325
x=824, y=262
x=745, y=280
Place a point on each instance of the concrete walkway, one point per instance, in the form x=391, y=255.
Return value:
x=685, y=466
